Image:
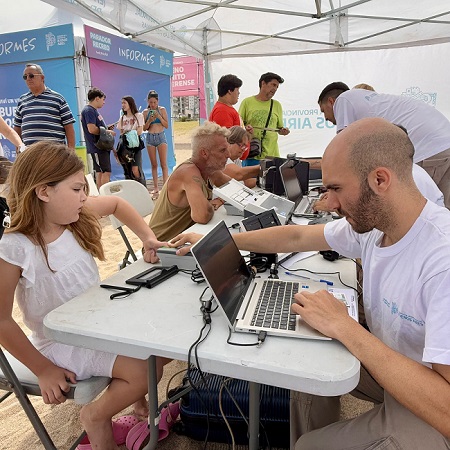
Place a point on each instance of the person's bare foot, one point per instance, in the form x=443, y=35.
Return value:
x=141, y=407
x=99, y=432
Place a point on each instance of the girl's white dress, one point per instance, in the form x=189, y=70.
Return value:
x=40, y=290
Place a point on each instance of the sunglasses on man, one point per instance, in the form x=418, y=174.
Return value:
x=30, y=75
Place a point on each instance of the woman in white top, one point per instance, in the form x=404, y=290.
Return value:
x=131, y=161
x=46, y=259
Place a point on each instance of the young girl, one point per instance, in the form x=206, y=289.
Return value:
x=155, y=122
x=131, y=119
x=46, y=259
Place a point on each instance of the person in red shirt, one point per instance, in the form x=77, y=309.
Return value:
x=223, y=112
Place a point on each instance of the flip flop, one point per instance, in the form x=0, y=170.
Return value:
x=120, y=426
x=139, y=435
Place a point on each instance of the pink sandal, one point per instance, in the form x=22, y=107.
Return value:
x=120, y=426
x=140, y=433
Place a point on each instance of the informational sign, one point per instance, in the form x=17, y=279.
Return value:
x=115, y=49
x=40, y=44
x=189, y=80
x=188, y=76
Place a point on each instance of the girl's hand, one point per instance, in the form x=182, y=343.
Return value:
x=54, y=382
x=150, y=248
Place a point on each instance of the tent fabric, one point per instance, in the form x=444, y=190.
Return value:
x=236, y=28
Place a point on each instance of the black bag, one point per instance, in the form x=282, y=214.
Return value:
x=255, y=143
x=124, y=153
x=255, y=148
x=105, y=140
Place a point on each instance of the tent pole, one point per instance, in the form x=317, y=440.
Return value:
x=209, y=95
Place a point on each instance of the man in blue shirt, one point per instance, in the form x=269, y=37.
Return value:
x=91, y=121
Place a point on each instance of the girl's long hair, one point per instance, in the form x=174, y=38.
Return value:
x=47, y=163
x=131, y=103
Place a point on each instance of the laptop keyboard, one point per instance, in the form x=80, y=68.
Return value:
x=241, y=195
x=273, y=309
x=309, y=209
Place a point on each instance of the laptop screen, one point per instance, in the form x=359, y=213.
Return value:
x=290, y=181
x=224, y=269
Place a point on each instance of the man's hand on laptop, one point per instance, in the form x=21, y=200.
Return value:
x=322, y=204
x=184, y=241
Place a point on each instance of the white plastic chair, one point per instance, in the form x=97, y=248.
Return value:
x=93, y=189
x=18, y=379
x=137, y=195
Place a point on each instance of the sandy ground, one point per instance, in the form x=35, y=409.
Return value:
x=62, y=421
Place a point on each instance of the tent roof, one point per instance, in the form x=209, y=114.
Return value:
x=233, y=28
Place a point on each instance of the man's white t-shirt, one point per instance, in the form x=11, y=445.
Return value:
x=406, y=285
x=427, y=187
x=428, y=129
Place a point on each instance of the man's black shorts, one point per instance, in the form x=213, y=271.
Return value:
x=102, y=161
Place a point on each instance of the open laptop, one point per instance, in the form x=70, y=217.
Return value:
x=244, y=300
x=241, y=197
x=294, y=175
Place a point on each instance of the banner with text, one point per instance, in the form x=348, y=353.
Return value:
x=40, y=44
x=387, y=70
x=116, y=49
x=189, y=79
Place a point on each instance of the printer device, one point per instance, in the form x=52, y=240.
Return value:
x=254, y=202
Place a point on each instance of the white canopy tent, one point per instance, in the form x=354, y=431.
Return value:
x=399, y=47
x=235, y=28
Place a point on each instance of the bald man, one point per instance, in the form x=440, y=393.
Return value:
x=404, y=243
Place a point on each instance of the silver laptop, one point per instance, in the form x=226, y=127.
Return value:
x=241, y=197
x=249, y=305
x=295, y=182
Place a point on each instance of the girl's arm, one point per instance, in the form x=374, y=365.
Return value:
x=127, y=214
x=52, y=379
x=161, y=112
x=140, y=123
x=147, y=119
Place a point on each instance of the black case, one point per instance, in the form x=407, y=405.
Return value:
x=274, y=412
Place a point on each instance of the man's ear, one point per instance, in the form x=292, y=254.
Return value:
x=42, y=193
x=380, y=179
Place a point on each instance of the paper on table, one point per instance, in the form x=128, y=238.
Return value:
x=297, y=257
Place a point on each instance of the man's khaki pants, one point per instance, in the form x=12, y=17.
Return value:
x=388, y=426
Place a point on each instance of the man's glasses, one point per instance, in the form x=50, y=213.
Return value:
x=30, y=75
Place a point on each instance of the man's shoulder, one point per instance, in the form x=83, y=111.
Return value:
x=185, y=170
x=51, y=93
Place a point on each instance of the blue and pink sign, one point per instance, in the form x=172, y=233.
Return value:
x=118, y=50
